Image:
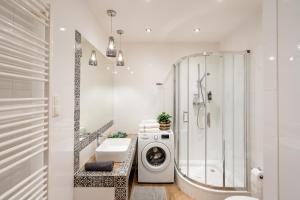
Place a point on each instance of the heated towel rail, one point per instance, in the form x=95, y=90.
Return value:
x=24, y=99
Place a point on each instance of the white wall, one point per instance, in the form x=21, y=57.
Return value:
x=136, y=96
x=249, y=36
x=289, y=98
x=270, y=188
x=71, y=14
x=94, y=193
x=282, y=96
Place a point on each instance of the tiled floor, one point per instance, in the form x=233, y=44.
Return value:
x=173, y=191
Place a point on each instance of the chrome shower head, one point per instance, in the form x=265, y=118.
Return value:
x=207, y=74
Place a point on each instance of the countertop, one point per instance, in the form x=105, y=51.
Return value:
x=118, y=177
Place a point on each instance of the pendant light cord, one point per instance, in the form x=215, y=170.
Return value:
x=120, y=42
x=110, y=24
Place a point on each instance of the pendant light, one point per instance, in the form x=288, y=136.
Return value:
x=93, y=59
x=120, y=57
x=111, y=50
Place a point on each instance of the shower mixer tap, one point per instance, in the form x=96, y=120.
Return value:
x=200, y=99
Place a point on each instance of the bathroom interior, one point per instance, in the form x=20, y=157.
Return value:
x=149, y=100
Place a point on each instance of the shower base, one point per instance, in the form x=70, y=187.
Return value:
x=214, y=173
x=201, y=191
x=196, y=171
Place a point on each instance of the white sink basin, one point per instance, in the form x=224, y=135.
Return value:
x=114, y=149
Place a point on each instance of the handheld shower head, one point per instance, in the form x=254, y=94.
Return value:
x=202, y=78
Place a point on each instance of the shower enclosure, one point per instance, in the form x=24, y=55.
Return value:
x=210, y=119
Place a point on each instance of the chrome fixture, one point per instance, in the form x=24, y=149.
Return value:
x=93, y=59
x=200, y=100
x=120, y=57
x=196, y=30
x=111, y=50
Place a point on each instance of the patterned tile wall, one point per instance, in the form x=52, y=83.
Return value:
x=118, y=178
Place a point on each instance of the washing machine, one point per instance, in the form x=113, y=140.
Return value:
x=156, y=157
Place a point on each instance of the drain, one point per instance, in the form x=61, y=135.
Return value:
x=212, y=170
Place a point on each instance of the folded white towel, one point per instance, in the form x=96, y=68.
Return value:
x=149, y=130
x=150, y=125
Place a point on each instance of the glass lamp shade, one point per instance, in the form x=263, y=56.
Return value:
x=120, y=59
x=93, y=59
x=111, y=50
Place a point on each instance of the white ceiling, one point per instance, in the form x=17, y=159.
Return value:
x=174, y=20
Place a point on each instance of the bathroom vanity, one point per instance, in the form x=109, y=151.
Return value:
x=112, y=185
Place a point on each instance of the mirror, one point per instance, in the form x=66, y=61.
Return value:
x=96, y=89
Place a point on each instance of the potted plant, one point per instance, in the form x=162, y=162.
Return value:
x=118, y=134
x=164, y=121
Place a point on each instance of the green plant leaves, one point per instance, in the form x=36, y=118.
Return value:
x=164, y=117
x=118, y=134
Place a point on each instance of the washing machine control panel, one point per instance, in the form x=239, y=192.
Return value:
x=162, y=137
x=165, y=136
x=155, y=136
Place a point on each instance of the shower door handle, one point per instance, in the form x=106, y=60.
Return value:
x=208, y=122
x=185, y=117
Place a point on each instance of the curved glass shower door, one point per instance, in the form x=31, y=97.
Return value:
x=210, y=118
x=182, y=119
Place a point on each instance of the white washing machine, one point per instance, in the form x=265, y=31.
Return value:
x=156, y=157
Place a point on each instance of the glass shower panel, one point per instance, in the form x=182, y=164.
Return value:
x=214, y=147
x=183, y=115
x=176, y=113
x=211, y=118
x=239, y=120
x=234, y=126
x=228, y=123
x=197, y=118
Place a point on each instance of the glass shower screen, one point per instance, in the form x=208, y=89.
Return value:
x=211, y=118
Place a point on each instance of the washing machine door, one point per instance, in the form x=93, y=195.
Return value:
x=156, y=156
